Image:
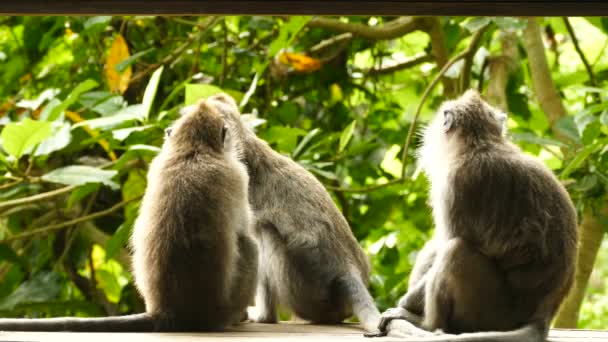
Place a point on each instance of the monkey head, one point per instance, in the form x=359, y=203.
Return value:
x=200, y=126
x=465, y=121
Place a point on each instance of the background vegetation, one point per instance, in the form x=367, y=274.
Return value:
x=84, y=101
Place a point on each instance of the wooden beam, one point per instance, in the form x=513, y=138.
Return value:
x=301, y=7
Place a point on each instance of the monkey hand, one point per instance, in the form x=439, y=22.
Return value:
x=394, y=322
x=389, y=315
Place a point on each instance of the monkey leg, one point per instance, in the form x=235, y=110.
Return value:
x=265, y=310
x=411, y=305
x=244, y=285
x=466, y=292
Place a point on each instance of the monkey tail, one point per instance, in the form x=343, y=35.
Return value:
x=531, y=332
x=363, y=303
x=130, y=323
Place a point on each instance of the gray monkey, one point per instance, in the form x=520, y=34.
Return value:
x=502, y=258
x=194, y=260
x=309, y=259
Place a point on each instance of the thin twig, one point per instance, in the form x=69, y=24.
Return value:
x=10, y=184
x=57, y=226
x=38, y=197
x=177, y=52
x=400, y=66
x=582, y=56
x=469, y=50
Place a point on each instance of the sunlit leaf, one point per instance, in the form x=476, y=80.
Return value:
x=475, y=23
x=150, y=92
x=80, y=175
x=60, y=138
x=119, y=51
x=19, y=137
x=134, y=112
x=346, y=135
x=119, y=239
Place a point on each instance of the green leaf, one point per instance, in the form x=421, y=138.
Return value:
x=133, y=112
x=97, y=20
x=109, y=284
x=44, y=286
x=120, y=67
x=287, y=33
x=285, y=137
x=510, y=23
x=81, y=192
x=535, y=139
x=195, y=92
x=123, y=133
x=73, y=97
x=150, y=92
x=19, y=137
x=346, y=135
x=567, y=126
x=475, y=23
x=80, y=175
x=59, y=139
x=578, y=160
x=118, y=240
x=300, y=148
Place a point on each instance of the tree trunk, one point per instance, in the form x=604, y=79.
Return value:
x=590, y=231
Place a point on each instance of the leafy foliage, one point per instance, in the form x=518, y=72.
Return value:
x=84, y=102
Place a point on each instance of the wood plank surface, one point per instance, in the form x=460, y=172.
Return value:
x=253, y=332
x=319, y=7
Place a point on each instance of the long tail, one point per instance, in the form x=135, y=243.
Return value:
x=130, y=323
x=363, y=303
x=531, y=332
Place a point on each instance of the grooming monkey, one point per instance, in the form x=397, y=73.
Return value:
x=311, y=262
x=502, y=258
x=194, y=260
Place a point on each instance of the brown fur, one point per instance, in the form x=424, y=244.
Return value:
x=503, y=254
x=311, y=262
x=194, y=261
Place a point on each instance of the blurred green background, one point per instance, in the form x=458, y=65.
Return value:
x=84, y=102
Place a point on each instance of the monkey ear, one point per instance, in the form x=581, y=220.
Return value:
x=448, y=120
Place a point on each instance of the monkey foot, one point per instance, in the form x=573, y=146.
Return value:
x=259, y=316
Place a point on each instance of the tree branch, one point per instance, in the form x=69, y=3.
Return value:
x=57, y=226
x=543, y=85
x=501, y=68
x=38, y=197
x=469, y=50
x=440, y=52
x=400, y=66
x=391, y=30
x=209, y=22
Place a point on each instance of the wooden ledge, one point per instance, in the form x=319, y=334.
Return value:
x=253, y=332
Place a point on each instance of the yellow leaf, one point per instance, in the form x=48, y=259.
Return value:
x=119, y=51
x=300, y=62
x=75, y=117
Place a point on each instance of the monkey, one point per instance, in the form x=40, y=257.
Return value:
x=502, y=257
x=194, y=256
x=310, y=261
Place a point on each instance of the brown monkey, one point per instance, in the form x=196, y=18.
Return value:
x=310, y=260
x=194, y=261
x=502, y=258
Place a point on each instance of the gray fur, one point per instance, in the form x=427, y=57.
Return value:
x=310, y=260
x=194, y=261
x=502, y=258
